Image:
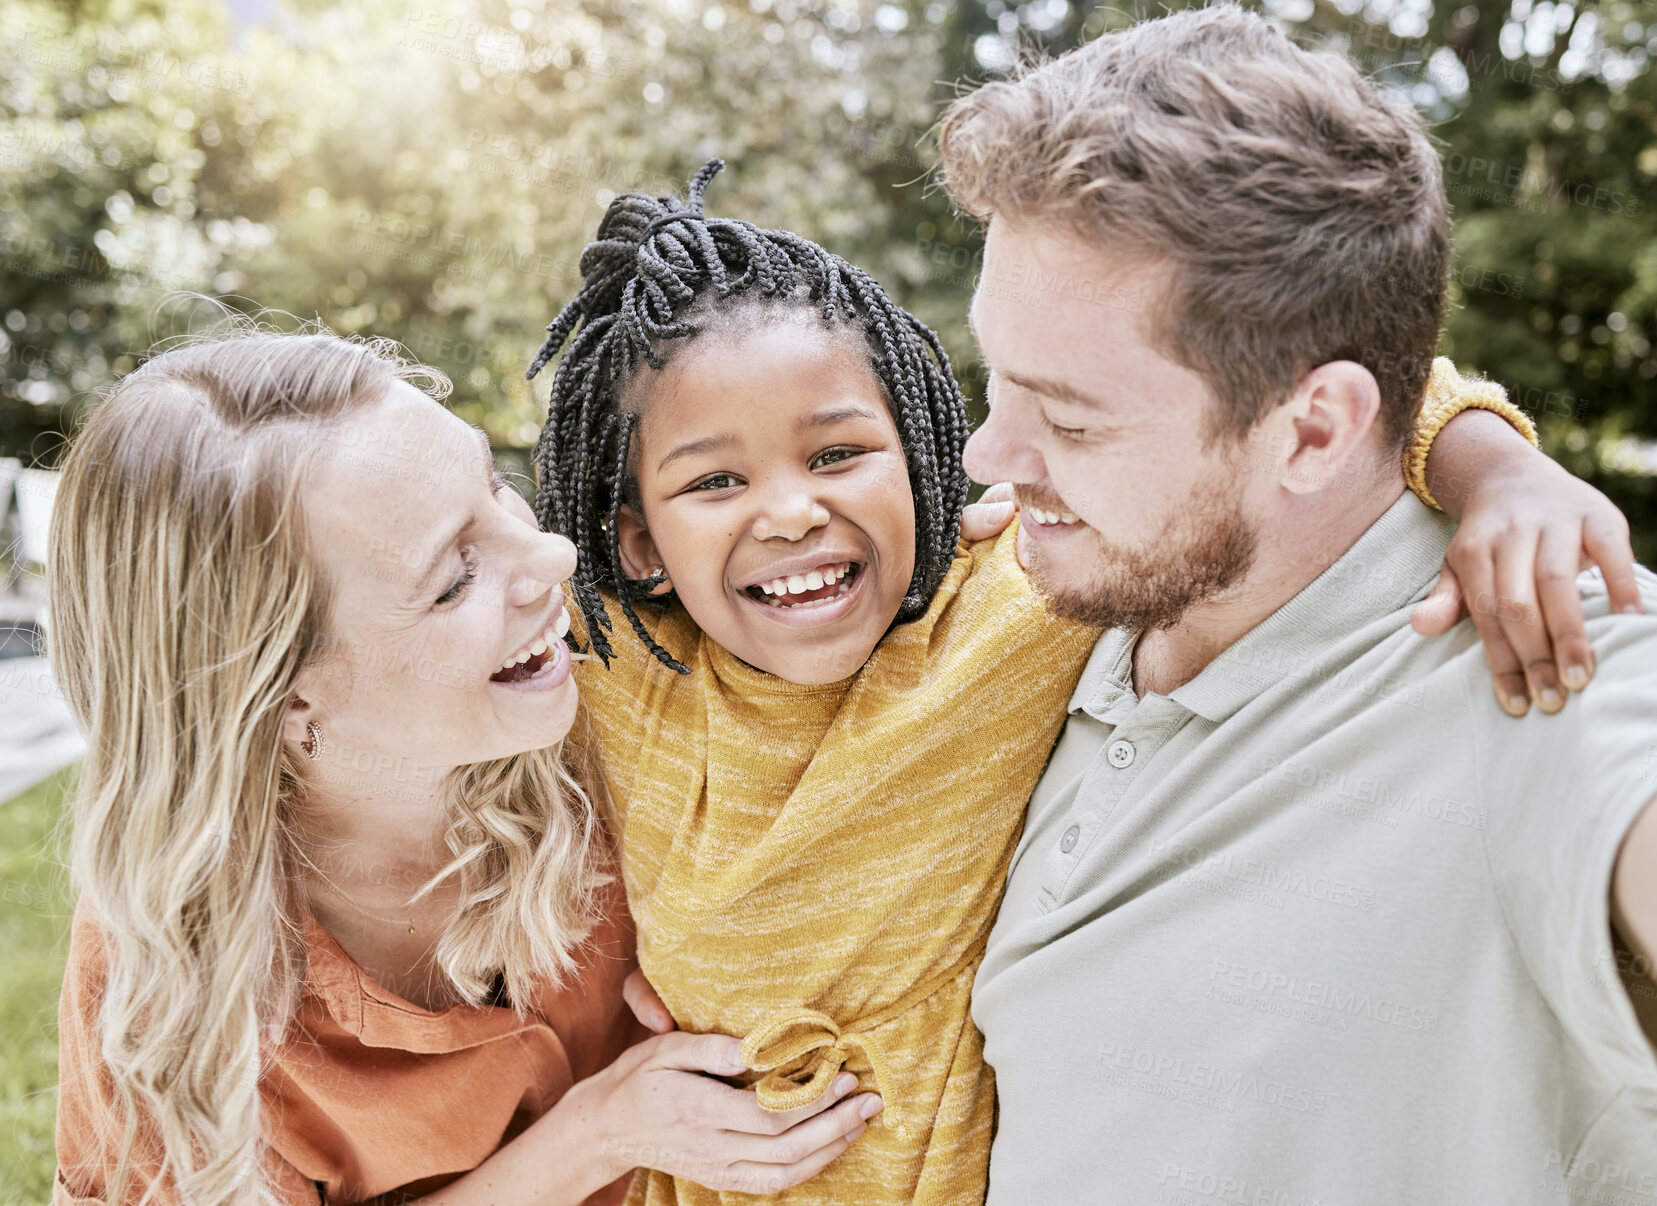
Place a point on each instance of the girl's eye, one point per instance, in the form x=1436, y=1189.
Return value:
x=498, y=483
x=716, y=481
x=457, y=590
x=834, y=456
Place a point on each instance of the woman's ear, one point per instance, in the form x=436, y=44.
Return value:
x=299, y=714
x=639, y=556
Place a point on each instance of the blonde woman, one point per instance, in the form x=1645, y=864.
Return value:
x=347, y=924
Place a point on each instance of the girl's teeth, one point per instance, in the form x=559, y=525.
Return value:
x=561, y=625
x=814, y=580
x=539, y=647
x=796, y=584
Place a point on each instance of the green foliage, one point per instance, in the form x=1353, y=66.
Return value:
x=35, y=909
x=430, y=169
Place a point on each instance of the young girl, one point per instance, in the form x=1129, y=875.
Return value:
x=820, y=747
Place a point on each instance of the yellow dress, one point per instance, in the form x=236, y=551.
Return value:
x=816, y=868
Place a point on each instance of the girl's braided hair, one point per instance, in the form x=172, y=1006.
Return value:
x=660, y=271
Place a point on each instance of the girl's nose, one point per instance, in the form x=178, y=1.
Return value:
x=791, y=517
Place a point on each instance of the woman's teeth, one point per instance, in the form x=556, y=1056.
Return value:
x=540, y=644
x=1037, y=515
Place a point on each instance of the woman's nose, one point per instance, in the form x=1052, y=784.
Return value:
x=790, y=516
x=552, y=561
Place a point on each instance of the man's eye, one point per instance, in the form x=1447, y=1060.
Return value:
x=834, y=456
x=1064, y=433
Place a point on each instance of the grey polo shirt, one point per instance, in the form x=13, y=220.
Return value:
x=1324, y=926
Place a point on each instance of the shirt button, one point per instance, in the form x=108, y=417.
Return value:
x=1068, y=842
x=1120, y=754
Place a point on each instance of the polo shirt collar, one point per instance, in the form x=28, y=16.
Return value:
x=1392, y=564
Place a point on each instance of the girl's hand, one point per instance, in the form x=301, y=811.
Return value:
x=991, y=514
x=1527, y=528
x=659, y=1106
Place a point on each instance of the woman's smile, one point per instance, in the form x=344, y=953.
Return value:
x=542, y=664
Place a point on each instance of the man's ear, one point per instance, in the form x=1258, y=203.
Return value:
x=1329, y=428
x=639, y=556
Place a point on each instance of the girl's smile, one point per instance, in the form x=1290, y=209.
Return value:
x=821, y=596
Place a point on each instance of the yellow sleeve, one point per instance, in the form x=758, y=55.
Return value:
x=1448, y=394
x=611, y=698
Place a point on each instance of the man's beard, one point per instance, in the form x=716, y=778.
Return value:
x=1200, y=552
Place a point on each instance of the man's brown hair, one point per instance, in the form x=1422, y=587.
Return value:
x=1299, y=205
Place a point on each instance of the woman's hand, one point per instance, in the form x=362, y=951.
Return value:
x=1527, y=528
x=659, y=1106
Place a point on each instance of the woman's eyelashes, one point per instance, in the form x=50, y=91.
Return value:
x=498, y=483
x=469, y=574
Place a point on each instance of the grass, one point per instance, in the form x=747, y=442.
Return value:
x=35, y=909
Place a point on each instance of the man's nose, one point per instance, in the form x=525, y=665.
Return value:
x=1001, y=451
x=790, y=515
x=549, y=561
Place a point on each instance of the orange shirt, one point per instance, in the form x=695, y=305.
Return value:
x=368, y=1094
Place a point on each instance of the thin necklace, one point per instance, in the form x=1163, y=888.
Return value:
x=341, y=893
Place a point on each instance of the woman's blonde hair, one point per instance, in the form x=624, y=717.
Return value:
x=184, y=602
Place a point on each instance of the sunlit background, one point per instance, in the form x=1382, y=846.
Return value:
x=430, y=170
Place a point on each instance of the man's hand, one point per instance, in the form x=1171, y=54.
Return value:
x=1527, y=528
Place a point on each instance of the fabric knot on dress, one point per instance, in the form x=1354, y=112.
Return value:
x=800, y=1051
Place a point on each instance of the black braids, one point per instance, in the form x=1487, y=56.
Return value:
x=625, y=425
x=660, y=271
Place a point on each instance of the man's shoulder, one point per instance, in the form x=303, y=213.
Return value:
x=1623, y=644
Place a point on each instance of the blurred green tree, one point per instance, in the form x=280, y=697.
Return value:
x=430, y=170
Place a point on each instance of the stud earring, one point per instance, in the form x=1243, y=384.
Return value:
x=314, y=731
